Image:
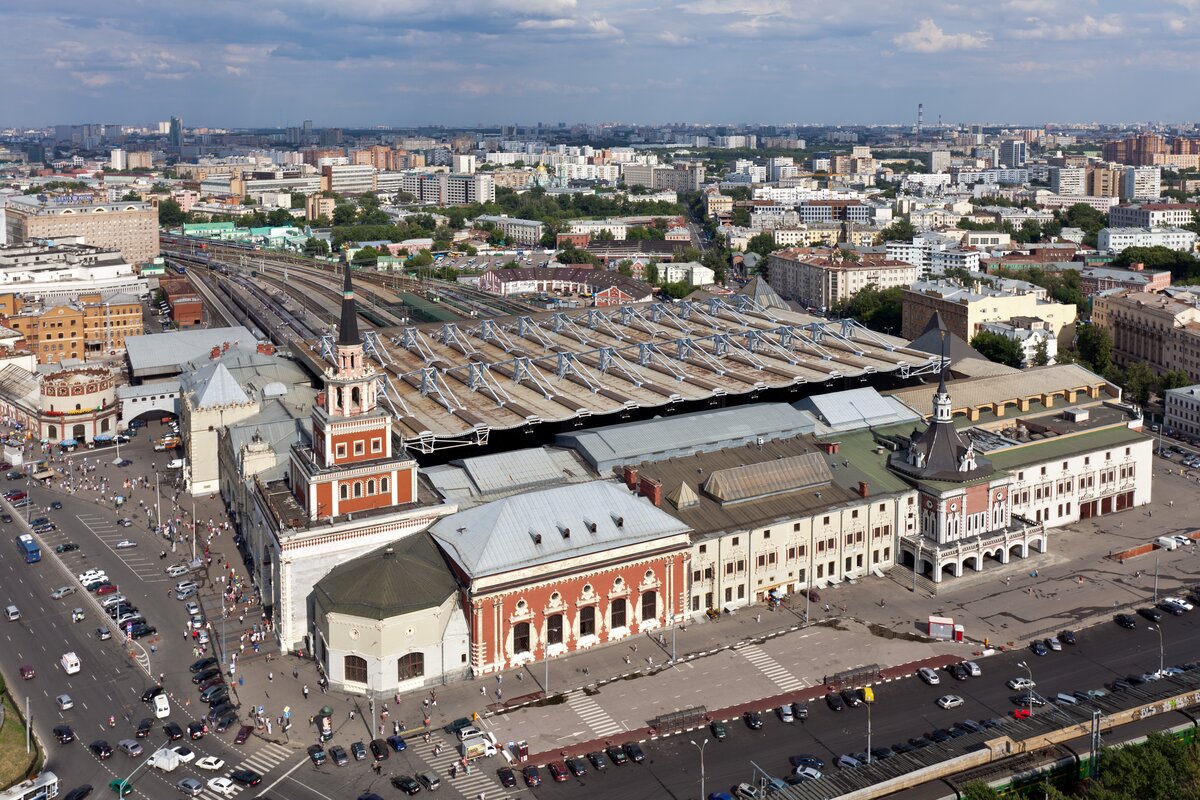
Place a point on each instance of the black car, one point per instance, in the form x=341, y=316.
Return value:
x=69, y=547
x=753, y=720
x=835, y=701
x=57, y=506
x=920, y=742
x=577, y=766
x=208, y=674
x=881, y=753
x=806, y=761
x=173, y=731
x=1068, y=637
x=1125, y=621
x=151, y=693
x=1171, y=608
x=358, y=750
x=902, y=748
x=406, y=784
x=532, y=776
x=246, y=777
x=959, y=672
x=852, y=697
x=634, y=751
x=1027, y=700
x=379, y=750
x=195, y=730
x=64, y=734
x=226, y=721
x=316, y=754
x=202, y=665
x=598, y=760
x=208, y=695
x=143, y=728
x=215, y=712
x=101, y=748
x=616, y=755
x=141, y=629
x=508, y=778
x=969, y=725
x=337, y=754
x=1152, y=614
x=79, y=792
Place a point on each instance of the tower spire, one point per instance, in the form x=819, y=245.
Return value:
x=348, y=331
x=942, y=411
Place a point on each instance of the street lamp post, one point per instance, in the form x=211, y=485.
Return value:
x=1161, y=652
x=1025, y=666
x=700, y=747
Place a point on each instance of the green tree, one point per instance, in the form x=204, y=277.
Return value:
x=998, y=348
x=366, y=257
x=373, y=215
x=421, y=259
x=281, y=217
x=1173, y=379
x=1041, y=354
x=762, y=243
x=316, y=247
x=741, y=217
x=1095, y=348
x=1163, y=768
x=344, y=214
x=979, y=791
x=650, y=273
x=1139, y=382
x=625, y=267
x=133, y=196
x=901, y=230
x=603, y=235
x=170, y=215
x=877, y=310
x=469, y=250
x=1030, y=231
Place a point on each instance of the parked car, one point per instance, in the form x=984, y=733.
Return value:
x=532, y=776
x=1125, y=621
x=1039, y=647
x=379, y=750
x=1068, y=637
x=358, y=750
x=929, y=676
x=634, y=751
x=406, y=784
x=834, y=700
x=316, y=754
x=753, y=720
x=949, y=701
x=616, y=755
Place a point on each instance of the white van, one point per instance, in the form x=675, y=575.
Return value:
x=162, y=706
x=13, y=613
x=1166, y=542
x=70, y=663
x=175, y=463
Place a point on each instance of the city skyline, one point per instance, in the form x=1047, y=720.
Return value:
x=399, y=63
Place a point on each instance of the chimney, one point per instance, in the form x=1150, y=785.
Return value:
x=618, y=521
x=266, y=349
x=864, y=489
x=215, y=352
x=537, y=537
x=631, y=476
x=225, y=347
x=564, y=530
x=591, y=526
x=1138, y=267
x=830, y=448
x=652, y=489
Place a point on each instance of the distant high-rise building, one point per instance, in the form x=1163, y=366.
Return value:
x=1068, y=180
x=164, y=128
x=1141, y=183
x=939, y=161
x=1013, y=153
x=1104, y=182
x=117, y=160
x=175, y=136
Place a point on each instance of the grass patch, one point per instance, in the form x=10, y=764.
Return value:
x=15, y=764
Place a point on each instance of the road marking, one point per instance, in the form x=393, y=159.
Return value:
x=299, y=764
x=771, y=668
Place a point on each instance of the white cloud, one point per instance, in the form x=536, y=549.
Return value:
x=674, y=39
x=593, y=27
x=927, y=37
x=1087, y=27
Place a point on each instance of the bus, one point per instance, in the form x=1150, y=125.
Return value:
x=29, y=548
x=43, y=787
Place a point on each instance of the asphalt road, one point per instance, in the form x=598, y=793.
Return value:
x=109, y=682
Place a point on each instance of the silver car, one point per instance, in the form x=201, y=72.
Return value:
x=62, y=592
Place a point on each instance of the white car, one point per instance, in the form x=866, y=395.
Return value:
x=973, y=669
x=177, y=571
x=1179, y=601
x=223, y=786
x=949, y=701
x=192, y=608
x=202, y=636
x=929, y=676
x=113, y=599
x=1183, y=540
x=186, y=755
x=196, y=622
x=1021, y=684
x=64, y=702
x=124, y=544
x=93, y=575
x=211, y=763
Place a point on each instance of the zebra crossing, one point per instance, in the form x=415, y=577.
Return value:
x=262, y=761
x=592, y=714
x=771, y=668
x=482, y=779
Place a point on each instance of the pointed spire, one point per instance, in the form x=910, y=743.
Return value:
x=941, y=361
x=348, y=332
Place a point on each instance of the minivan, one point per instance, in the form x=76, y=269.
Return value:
x=13, y=613
x=1166, y=543
x=162, y=706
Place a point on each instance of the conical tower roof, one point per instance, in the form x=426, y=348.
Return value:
x=348, y=331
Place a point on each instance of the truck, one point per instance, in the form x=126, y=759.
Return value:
x=165, y=760
x=481, y=746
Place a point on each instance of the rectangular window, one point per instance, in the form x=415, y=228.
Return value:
x=728, y=594
x=696, y=576
x=735, y=541
x=762, y=561
x=741, y=565
x=703, y=549
x=708, y=573
x=803, y=551
x=771, y=558
x=377, y=445
x=825, y=521
x=854, y=514
x=341, y=451
x=359, y=448
x=696, y=603
x=767, y=533
x=820, y=571
x=795, y=527
x=791, y=554
x=741, y=591
x=728, y=567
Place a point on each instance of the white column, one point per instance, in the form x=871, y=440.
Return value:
x=395, y=487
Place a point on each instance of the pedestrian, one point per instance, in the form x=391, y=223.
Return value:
x=482, y=690
x=295, y=672
x=270, y=676
x=305, y=690
x=352, y=715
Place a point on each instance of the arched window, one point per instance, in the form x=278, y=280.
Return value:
x=618, y=613
x=521, y=637
x=345, y=492
x=356, y=397
x=554, y=629
x=358, y=488
x=104, y=425
x=355, y=668
x=383, y=485
x=53, y=431
x=649, y=605
x=587, y=621
x=411, y=666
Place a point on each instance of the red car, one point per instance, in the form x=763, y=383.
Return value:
x=105, y=588
x=243, y=734
x=557, y=771
x=1022, y=713
x=27, y=672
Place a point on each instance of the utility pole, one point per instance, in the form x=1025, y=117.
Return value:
x=700, y=747
x=28, y=724
x=193, y=530
x=1156, y=580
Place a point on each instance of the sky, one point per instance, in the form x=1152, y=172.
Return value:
x=356, y=63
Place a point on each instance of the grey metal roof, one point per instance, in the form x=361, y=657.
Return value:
x=703, y=431
x=163, y=351
x=767, y=478
x=550, y=525
x=19, y=385
x=405, y=576
x=148, y=389
x=857, y=408
x=479, y=479
x=213, y=386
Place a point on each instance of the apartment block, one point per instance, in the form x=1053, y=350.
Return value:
x=1068, y=180
x=823, y=281
x=1152, y=215
x=129, y=227
x=1161, y=331
x=1115, y=240
x=964, y=310
x=1141, y=183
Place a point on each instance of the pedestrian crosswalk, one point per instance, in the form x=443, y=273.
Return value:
x=262, y=761
x=771, y=668
x=591, y=713
x=482, y=780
